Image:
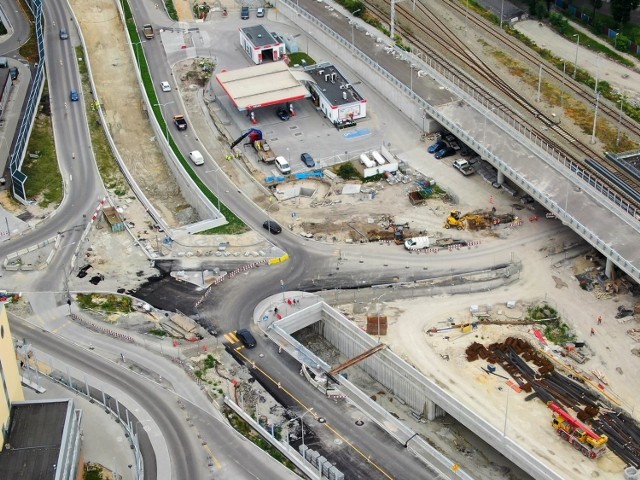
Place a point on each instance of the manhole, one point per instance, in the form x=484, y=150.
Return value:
x=359, y=422
x=322, y=420
x=337, y=441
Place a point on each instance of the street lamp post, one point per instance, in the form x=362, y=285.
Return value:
x=137, y=52
x=575, y=63
x=595, y=119
x=217, y=192
x=615, y=41
x=352, y=22
x=166, y=124
x=619, y=122
x=564, y=74
x=501, y=13
x=302, y=422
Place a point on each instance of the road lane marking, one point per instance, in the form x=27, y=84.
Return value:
x=315, y=415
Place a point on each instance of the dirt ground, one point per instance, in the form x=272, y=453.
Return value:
x=114, y=74
x=330, y=215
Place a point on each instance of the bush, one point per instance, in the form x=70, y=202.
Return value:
x=347, y=171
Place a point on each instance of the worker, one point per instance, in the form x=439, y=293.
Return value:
x=600, y=320
x=593, y=331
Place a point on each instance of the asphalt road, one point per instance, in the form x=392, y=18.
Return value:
x=232, y=456
x=83, y=186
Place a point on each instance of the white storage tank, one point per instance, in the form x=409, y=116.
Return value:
x=378, y=158
x=367, y=161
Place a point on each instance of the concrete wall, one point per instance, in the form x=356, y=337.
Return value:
x=10, y=386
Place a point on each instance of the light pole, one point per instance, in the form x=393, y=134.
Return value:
x=619, y=122
x=501, y=13
x=595, y=88
x=216, y=170
x=137, y=52
x=352, y=22
x=595, y=119
x=302, y=422
x=615, y=41
x=564, y=74
x=575, y=63
x=166, y=123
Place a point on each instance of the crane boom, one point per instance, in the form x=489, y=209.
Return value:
x=574, y=422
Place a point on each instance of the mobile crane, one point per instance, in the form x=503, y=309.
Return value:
x=572, y=430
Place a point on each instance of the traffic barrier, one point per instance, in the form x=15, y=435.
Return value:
x=101, y=329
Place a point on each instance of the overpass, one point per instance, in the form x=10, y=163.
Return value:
x=425, y=91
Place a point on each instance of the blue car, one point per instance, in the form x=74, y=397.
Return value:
x=439, y=145
x=445, y=152
x=74, y=96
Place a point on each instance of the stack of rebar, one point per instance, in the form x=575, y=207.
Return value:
x=515, y=355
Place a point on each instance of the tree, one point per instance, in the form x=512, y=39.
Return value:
x=597, y=5
x=621, y=10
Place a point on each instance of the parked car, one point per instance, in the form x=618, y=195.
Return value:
x=64, y=35
x=439, y=145
x=272, y=226
x=246, y=338
x=260, y=12
x=244, y=13
x=165, y=86
x=283, y=165
x=307, y=160
x=14, y=73
x=445, y=152
x=283, y=114
x=74, y=96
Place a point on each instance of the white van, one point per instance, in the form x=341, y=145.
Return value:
x=283, y=165
x=416, y=243
x=196, y=157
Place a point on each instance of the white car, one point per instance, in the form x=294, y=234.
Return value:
x=165, y=86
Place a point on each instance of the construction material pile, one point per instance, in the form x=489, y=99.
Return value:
x=515, y=355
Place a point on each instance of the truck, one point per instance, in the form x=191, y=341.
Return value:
x=147, y=30
x=181, y=123
x=463, y=166
x=265, y=153
x=580, y=436
x=416, y=243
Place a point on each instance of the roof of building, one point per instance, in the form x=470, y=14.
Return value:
x=34, y=439
x=259, y=36
x=333, y=86
x=262, y=85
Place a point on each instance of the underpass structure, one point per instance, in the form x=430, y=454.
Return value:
x=423, y=395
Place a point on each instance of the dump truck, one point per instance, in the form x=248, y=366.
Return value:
x=147, y=30
x=265, y=154
x=180, y=121
x=581, y=437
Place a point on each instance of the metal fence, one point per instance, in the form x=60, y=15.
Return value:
x=24, y=130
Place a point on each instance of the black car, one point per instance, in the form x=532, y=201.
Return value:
x=307, y=160
x=272, y=226
x=244, y=13
x=246, y=338
x=283, y=114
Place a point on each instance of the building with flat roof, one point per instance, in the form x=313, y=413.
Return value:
x=43, y=441
x=332, y=93
x=261, y=45
x=11, y=388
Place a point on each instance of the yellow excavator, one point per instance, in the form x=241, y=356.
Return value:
x=459, y=221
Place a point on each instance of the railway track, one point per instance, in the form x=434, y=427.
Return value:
x=422, y=35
